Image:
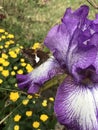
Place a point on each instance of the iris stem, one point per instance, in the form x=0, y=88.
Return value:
x=53, y=82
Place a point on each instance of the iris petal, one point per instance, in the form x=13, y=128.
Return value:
x=39, y=76
x=59, y=37
x=76, y=106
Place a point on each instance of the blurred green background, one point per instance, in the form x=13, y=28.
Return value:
x=30, y=20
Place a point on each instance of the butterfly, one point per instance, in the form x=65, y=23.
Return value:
x=35, y=57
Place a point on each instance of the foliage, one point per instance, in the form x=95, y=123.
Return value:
x=26, y=22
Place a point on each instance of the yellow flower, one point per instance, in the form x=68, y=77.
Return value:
x=13, y=73
x=10, y=36
x=16, y=85
x=36, y=46
x=5, y=73
x=16, y=127
x=28, y=113
x=43, y=117
x=29, y=96
x=1, y=47
x=6, y=46
x=14, y=96
x=6, y=33
x=20, y=71
x=17, y=50
x=0, y=39
x=1, y=68
x=3, y=37
x=15, y=67
x=25, y=101
x=2, y=60
x=12, y=54
x=36, y=124
x=6, y=63
x=22, y=60
x=11, y=42
x=21, y=47
x=7, y=43
x=34, y=102
x=1, y=81
x=23, y=64
x=5, y=56
x=51, y=99
x=2, y=30
x=17, y=118
x=29, y=68
x=44, y=103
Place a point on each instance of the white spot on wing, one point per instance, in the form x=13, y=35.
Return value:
x=37, y=59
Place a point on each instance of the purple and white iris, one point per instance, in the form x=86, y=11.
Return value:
x=74, y=44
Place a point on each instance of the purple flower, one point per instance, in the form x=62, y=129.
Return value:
x=74, y=44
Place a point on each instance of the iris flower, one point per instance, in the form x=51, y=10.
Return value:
x=74, y=45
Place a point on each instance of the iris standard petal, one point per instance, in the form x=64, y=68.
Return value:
x=34, y=80
x=76, y=106
x=59, y=37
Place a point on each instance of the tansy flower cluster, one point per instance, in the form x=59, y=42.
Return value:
x=20, y=106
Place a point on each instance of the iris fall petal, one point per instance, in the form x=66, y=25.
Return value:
x=76, y=106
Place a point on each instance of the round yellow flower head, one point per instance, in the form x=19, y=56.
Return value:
x=7, y=43
x=17, y=118
x=1, y=47
x=1, y=68
x=51, y=99
x=21, y=47
x=6, y=33
x=16, y=127
x=36, y=46
x=5, y=56
x=3, y=37
x=28, y=113
x=12, y=54
x=29, y=68
x=43, y=117
x=11, y=42
x=6, y=46
x=29, y=97
x=14, y=96
x=2, y=30
x=25, y=101
x=13, y=73
x=36, y=124
x=16, y=85
x=2, y=60
x=6, y=63
x=20, y=71
x=15, y=67
x=44, y=103
x=22, y=60
x=10, y=36
x=23, y=64
x=5, y=73
x=17, y=50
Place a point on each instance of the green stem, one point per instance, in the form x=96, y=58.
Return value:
x=7, y=89
x=10, y=114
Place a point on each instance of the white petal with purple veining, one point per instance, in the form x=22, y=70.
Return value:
x=39, y=76
x=75, y=106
